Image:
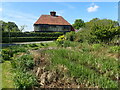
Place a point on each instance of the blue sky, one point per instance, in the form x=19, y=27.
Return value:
x=26, y=13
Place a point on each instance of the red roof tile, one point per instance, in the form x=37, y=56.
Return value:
x=52, y=20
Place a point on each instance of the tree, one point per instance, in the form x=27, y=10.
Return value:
x=22, y=27
x=101, y=22
x=94, y=19
x=10, y=26
x=78, y=24
x=105, y=32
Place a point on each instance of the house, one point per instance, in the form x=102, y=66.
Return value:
x=52, y=22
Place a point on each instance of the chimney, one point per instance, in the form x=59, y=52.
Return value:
x=53, y=13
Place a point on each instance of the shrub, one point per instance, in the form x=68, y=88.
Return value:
x=105, y=33
x=33, y=45
x=67, y=43
x=115, y=40
x=70, y=36
x=32, y=34
x=22, y=68
x=27, y=39
x=6, y=54
x=83, y=36
x=114, y=49
x=24, y=62
x=42, y=44
x=24, y=80
x=96, y=46
x=60, y=40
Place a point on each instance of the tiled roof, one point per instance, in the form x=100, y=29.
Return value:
x=52, y=20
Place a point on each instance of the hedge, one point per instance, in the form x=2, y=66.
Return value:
x=29, y=36
x=26, y=39
x=32, y=34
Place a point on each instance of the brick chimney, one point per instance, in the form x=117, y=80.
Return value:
x=53, y=13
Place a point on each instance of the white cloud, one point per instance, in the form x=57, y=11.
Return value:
x=0, y=9
x=93, y=8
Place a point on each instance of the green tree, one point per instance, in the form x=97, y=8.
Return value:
x=94, y=19
x=78, y=24
x=8, y=26
x=97, y=21
x=12, y=26
x=105, y=33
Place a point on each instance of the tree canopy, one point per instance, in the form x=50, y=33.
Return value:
x=78, y=24
x=8, y=26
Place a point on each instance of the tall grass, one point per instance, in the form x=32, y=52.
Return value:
x=79, y=66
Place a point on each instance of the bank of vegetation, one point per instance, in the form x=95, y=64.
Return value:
x=84, y=59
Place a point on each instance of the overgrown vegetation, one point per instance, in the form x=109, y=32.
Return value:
x=84, y=59
x=88, y=70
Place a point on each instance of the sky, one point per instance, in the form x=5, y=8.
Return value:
x=26, y=13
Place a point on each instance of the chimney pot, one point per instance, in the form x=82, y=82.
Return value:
x=53, y=13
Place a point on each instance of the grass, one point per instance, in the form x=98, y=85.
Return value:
x=88, y=63
x=0, y=75
x=7, y=76
x=79, y=66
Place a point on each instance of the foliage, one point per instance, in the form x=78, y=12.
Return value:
x=70, y=36
x=101, y=22
x=24, y=62
x=7, y=75
x=24, y=80
x=83, y=36
x=115, y=40
x=32, y=34
x=6, y=54
x=85, y=67
x=114, y=49
x=78, y=24
x=96, y=46
x=96, y=31
x=10, y=26
x=105, y=33
x=22, y=65
x=33, y=45
x=28, y=37
x=60, y=40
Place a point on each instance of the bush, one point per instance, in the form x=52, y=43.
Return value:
x=32, y=34
x=70, y=44
x=24, y=62
x=105, y=33
x=114, y=49
x=115, y=40
x=6, y=54
x=27, y=39
x=83, y=36
x=33, y=45
x=29, y=36
x=24, y=80
x=96, y=46
x=60, y=40
x=22, y=67
x=70, y=36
